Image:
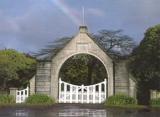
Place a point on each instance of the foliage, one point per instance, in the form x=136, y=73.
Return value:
x=6, y=99
x=147, y=57
x=40, y=99
x=79, y=70
x=15, y=68
x=120, y=99
x=155, y=102
x=4, y=92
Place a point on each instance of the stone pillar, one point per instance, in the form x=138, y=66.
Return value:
x=121, y=78
x=32, y=86
x=13, y=92
x=132, y=88
x=43, y=78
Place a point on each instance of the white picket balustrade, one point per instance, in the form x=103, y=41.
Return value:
x=21, y=95
x=69, y=93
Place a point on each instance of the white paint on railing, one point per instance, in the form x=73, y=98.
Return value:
x=69, y=93
x=21, y=95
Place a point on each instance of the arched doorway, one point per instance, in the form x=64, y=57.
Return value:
x=82, y=43
x=61, y=61
x=83, y=69
x=82, y=79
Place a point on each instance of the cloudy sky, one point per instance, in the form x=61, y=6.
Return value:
x=28, y=25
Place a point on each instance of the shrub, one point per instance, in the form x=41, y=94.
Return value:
x=155, y=102
x=39, y=99
x=120, y=99
x=3, y=92
x=6, y=99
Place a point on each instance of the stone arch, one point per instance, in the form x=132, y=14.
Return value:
x=81, y=43
x=87, y=53
x=55, y=71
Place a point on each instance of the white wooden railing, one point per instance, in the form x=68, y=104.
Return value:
x=21, y=95
x=69, y=93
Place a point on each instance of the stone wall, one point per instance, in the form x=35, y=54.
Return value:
x=155, y=94
x=123, y=80
x=43, y=77
x=32, y=86
x=12, y=92
x=132, y=87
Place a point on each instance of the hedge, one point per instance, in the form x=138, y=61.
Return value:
x=155, y=102
x=6, y=99
x=120, y=99
x=40, y=99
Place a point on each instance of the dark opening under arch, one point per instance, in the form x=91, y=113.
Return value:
x=83, y=69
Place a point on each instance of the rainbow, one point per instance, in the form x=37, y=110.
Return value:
x=67, y=11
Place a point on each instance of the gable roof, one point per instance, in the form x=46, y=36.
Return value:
x=53, y=49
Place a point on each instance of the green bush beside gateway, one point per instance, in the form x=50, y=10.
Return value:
x=155, y=102
x=40, y=99
x=120, y=100
x=6, y=100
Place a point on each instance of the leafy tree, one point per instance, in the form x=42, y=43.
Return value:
x=15, y=68
x=76, y=70
x=145, y=64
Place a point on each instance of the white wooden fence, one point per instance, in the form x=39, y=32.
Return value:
x=69, y=93
x=21, y=95
x=155, y=94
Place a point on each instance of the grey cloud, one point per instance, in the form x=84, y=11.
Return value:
x=2, y=46
x=95, y=12
x=7, y=24
x=42, y=23
x=35, y=29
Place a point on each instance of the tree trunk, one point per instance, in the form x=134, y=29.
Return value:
x=90, y=70
x=143, y=94
x=90, y=65
x=4, y=83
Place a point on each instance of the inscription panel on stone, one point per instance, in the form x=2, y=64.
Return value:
x=82, y=46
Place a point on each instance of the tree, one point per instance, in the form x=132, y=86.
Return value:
x=76, y=70
x=15, y=68
x=115, y=43
x=145, y=64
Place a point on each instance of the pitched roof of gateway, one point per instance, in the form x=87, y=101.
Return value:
x=52, y=50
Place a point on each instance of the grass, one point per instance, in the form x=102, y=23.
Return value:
x=124, y=102
x=6, y=100
x=39, y=99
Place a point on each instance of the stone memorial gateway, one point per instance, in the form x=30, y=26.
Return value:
x=46, y=80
